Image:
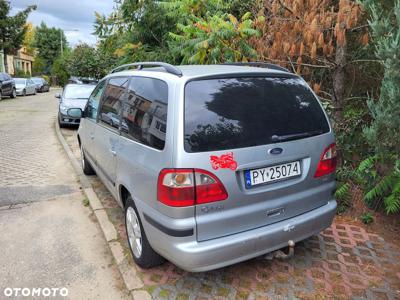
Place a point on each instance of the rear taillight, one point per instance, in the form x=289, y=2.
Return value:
x=327, y=163
x=186, y=187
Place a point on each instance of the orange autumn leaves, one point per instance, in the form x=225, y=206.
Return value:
x=305, y=32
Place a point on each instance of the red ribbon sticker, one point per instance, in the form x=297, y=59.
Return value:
x=225, y=161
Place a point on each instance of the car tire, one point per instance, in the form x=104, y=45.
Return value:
x=61, y=125
x=142, y=253
x=86, y=166
x=24, y=93
x=1, y=95
x=13, y=94
x=35, y=92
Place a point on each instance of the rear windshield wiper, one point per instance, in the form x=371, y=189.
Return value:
x=280, y=138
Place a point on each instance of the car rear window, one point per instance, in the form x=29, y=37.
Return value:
x=19, y=80
x=78, y=91
x=249, y=111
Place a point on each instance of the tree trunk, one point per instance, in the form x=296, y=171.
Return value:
x=5, y=62
x=339, y=77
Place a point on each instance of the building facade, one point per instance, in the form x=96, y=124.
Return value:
x=23, y=62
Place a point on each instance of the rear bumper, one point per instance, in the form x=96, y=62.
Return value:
x=196, y=256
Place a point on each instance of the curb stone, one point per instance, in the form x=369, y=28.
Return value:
x=94, y=201
x=131, y=279
x=141, y=295
x=106, y=226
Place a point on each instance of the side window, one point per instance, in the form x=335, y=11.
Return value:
x=111, y=104
x=94, y=100
x=144, y=113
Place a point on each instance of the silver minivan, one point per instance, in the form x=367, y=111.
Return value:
x=213, y=164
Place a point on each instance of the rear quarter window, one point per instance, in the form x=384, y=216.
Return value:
x=144, y=113
x=244, y=112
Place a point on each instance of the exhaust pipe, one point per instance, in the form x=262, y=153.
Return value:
x=279, y=254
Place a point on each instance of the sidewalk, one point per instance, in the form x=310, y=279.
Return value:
x=49, y=239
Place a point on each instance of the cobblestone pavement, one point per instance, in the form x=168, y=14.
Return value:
x=48, y=238
x=343, y=262
x=30, y=168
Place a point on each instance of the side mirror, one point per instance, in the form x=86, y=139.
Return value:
x=58, y=95
x=75, y=113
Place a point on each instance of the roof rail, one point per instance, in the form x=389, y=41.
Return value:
x=168, y=67
x=259, y=64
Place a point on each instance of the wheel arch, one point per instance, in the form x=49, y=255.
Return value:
x=123, y=194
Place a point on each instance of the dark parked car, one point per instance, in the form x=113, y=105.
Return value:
x=73, y=96
x=41, y=84
x=7, y=86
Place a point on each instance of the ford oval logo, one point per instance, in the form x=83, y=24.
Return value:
x=275, y=151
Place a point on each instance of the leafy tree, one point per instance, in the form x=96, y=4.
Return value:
x=312, y=38
x=382, y=169
x=12, y=28
x=29, y=38
x=48, y=44
x=328, y=43
x=59, y=69
x=384, y=133
x=140, y=30
x=143, y=23
x=215, y=39
x=87, y=61
x=39, y=66
x=239, y=7
x=182, y=10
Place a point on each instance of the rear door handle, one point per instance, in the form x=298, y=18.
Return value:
x=113, y=152
x=92, y=136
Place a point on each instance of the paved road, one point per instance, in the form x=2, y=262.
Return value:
x=48, y=238
x=346, y=261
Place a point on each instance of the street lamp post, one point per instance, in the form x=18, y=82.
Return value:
x=61, y=38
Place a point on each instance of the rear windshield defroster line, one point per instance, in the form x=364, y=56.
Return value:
x=229, y=113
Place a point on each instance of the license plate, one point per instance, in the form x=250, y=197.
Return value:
x=272, y=173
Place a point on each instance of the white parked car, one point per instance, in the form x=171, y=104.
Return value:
x=25, y=86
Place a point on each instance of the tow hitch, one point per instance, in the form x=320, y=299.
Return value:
x=280, y=254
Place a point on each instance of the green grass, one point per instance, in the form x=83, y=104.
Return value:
x=367, y=218
x=85, y=202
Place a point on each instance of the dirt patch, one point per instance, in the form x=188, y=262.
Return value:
x=387, y=226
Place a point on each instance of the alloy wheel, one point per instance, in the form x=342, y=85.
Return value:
x=134, y=232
